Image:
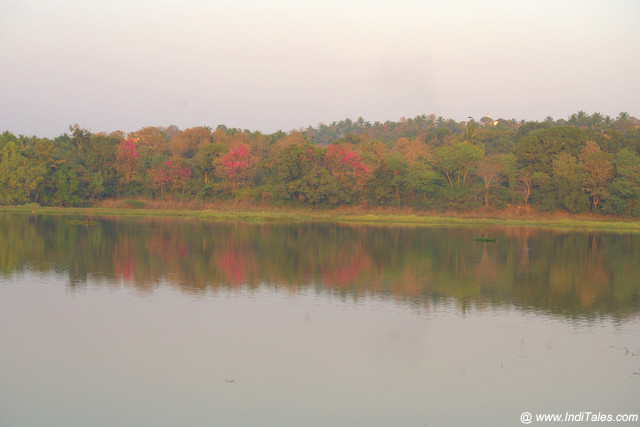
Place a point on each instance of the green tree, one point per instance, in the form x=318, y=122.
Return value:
x=18, y=176
x=380, y=190
x=204, y=165
x=422, y=179
x=579, y=119
x=509, y=174
x=562, y=189
x=456, y=161
x=63, y=188
x=538, y=149
x=624, y=196
x=291, y=166
x=396, y=164
x=319, y=187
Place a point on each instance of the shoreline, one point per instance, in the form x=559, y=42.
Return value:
x=353, y=216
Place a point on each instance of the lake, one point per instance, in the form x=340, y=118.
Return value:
x=164, y=322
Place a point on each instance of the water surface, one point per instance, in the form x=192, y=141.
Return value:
x=182, y=322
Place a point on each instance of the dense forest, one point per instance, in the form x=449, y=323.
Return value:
x=585, y=163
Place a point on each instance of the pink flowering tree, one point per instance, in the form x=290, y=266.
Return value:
x=171, y=176
x=235, y=165
x=347, y=166
x=128, y=159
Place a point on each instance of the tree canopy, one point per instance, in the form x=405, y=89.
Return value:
x=581, y=164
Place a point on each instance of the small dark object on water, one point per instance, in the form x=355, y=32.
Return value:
x=485, y=239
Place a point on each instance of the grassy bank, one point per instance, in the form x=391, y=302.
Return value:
x=259, y=214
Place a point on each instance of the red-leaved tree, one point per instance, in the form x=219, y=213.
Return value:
x=127, y=159
x=170, y=176
x=235, y=165
x=347, y=166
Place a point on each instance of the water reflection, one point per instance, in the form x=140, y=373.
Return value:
x=567, y=273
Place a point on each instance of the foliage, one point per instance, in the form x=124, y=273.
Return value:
x=235, y=166
x=348, y=168
x=235, y=161
x=127, y=159
x=587, y=162
x=170, y=176
x=18, y=176
x=598, y=173
x=625, y=188
x=456, y=161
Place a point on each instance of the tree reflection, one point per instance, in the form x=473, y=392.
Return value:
x=569, y=273
x=342, y=269
x=233, y=266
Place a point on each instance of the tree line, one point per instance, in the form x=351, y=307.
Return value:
x=585, y=163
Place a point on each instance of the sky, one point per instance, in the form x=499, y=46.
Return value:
x=287, y=64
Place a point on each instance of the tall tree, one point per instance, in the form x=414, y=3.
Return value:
x=238, y=166
x=127, y=159
x=488, y=168
x=567, y=178
x=348, y=168
x=456, y=161
x=292, y=165
x=598, y=172
x=396, y=163
x=525, y=184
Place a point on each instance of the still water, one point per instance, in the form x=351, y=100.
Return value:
x=165, y=322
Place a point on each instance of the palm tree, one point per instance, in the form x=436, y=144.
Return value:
x=623, y=116
x=579, y=119
x=469, y=132
x=596, y=120
x=623, y=122
x=583, y=118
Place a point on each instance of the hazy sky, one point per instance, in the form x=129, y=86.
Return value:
x=283, y=64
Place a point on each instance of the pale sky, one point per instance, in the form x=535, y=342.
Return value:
x=283, y=64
